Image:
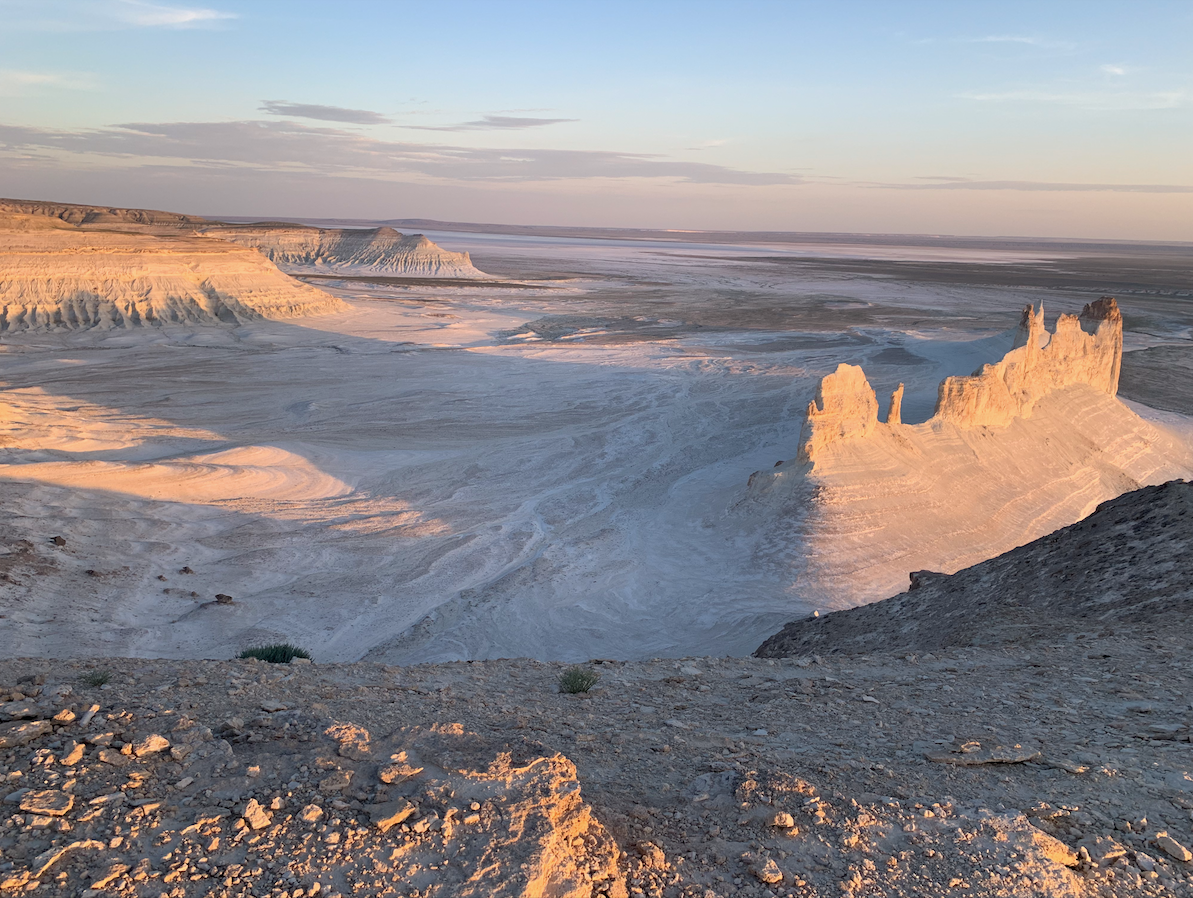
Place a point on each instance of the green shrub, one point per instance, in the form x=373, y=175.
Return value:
x=278, y=653
x=96, y=678
x=578, y=679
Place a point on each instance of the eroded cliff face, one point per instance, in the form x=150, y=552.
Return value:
x=1026, y=445
x=1085, y=349
x=375, y=250
x=61, y=277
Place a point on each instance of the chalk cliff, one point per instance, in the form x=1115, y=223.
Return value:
x=374, y=250
x=1085, y=349
x=1024, y=446
x=54, y=275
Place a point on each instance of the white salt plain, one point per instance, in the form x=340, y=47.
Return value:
x=423, y=477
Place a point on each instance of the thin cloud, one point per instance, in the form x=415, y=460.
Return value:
x=294, y=147
x=495, y=123
x=1089, y=99
x=156, y=15
x=107, y=15
x=1026, y=40
x=709, y=144
x=14, y=82
x=1114, y=69
x=323, y=113
x=944, y=182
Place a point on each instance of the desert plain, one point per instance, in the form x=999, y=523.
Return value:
x=581, y=446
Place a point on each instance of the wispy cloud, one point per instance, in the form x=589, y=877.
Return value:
x=323, y=113
x=14, y=82
x=945, y=182
x=107, y=15
x=709, y=144
x=1114, y=69
x=495, y=123
x=1105, y=100
x=294, y=147
x=1024, y=39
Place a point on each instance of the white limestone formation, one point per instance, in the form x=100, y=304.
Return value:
x=56, y=276
x=1085, y=349
x=381, y=251
x=1022, y=447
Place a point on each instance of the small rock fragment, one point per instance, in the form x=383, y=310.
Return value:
x=782, y=820
x=151, y=744
x=336, y=782
x=767, y=872
x=222, y=598
x=256, y=816
x=311, y=814
x=391, y=813
x=114, y=871
x=398, y=769
x=72, y=753
x=1168, y=845
x=13, y=735
x=652, y=855
x=47, y=802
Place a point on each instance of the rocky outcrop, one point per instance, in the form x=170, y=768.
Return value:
x=1129, y=561
x=65, y=278
x=1026, y=445
x=1085, y=349
x=373, y=250
x=102, y=216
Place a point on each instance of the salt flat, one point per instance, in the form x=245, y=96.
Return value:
x=553, y=466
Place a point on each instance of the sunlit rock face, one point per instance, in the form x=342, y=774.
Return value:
x=372, y=250
x=1025, y=446
x=55, y=276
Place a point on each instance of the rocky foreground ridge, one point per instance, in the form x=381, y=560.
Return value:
x=1053, y=758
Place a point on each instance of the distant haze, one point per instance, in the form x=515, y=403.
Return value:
x=1060, y=119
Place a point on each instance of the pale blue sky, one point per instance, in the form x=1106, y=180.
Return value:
x=1052, y=119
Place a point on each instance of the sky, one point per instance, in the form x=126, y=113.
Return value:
x=1052, y=119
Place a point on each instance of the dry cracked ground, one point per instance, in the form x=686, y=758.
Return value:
x=1059, y=767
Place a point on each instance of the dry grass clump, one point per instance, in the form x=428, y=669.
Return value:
x=277, y=653
x=578, y=679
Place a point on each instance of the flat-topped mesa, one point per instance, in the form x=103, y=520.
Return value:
x=376, y=250
x=1085, y=349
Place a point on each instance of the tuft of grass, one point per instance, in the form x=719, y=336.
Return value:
x=278, y=653
x=96, y=678
x=578, y=679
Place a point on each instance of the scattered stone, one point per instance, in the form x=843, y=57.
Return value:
x=58, y=540
x=311, y=814
x=974, y=754
x=336, y=782
x=767, y=872
x=782, y=820
x=398, y=769
x=13, y=735
x=222, y=598
x=150, y=744
x=47, y=802
x=72, y=753
x=390, y=814
x=113, y=872
x=1172, y=847
x=652, y=855
x=256, y=816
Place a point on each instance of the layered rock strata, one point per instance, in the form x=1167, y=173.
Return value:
x=1022, y=447
x=59, y=277
x=373, y=250
x=1085, y=349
